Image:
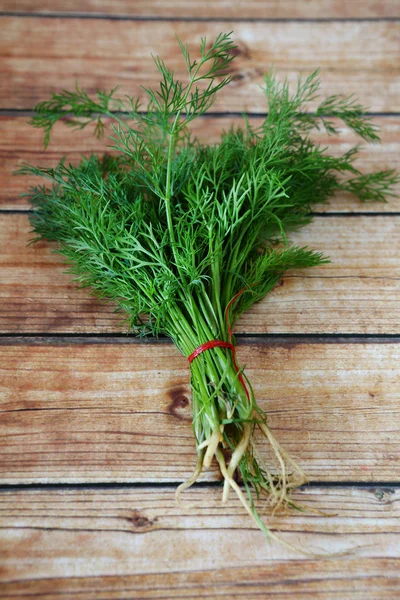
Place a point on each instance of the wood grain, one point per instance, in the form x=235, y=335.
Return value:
x=212, y=9
x=350, y=579
x=124, y=543
x=357, y=57
x=113, y=410
x=119, y=410
x=358, y=292
x=19, y=143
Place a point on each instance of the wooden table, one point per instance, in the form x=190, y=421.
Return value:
x=95, y=426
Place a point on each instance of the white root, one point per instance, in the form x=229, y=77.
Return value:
x=247, y=507
x=233, y=484
x=212, y=446
x=235, y=459
x=283, y=490
x=277, y=492
x=270, y=488
x=229, y=481
x=298, y=477
x=203, y=444
x=279, y=451
x=189, y=482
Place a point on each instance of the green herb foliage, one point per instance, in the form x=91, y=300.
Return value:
x=171, y=229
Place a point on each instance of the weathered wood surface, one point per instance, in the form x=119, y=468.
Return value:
x=21, y=143
x=358, y=292
x=347, y=579
x=212, y=9
x=106, y=411
x=121, y=543
x=42, y=55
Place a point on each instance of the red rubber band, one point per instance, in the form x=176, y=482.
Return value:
x=208, y=346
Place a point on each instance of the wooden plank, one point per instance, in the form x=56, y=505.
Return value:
x=374, y=578
x=191, y=9
x=127, y=543
x=19, y=142
x=118, y=410
x=41, y=56
x=358, y=292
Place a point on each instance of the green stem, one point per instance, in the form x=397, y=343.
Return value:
x=167, y=197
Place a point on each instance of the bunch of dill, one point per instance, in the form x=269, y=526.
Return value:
x=185, y=237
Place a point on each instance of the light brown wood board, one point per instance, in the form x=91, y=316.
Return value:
x=356, y=293
x=116, y=410
x=21, y=143
x=359, y=56
x=100, y=425
x=139, y=544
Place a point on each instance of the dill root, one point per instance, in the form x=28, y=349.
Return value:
x=226, y=417
x=184, y=237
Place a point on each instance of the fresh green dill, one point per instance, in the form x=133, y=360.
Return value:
x=172, y=230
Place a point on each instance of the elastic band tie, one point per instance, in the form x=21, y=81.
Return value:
x=208, y=346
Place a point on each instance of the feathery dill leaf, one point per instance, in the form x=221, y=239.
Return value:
x=181, y=235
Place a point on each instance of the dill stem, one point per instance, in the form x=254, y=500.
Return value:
x=167, y=197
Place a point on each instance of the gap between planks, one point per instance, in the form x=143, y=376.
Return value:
x=192, y=19
x=379, y=488
x=243, y=339
x=211, y=9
